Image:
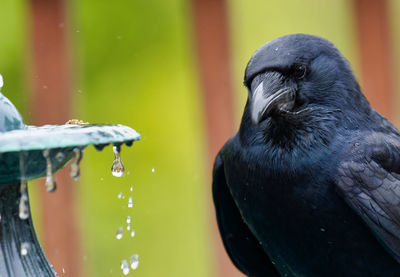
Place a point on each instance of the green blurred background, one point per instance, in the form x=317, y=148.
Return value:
x=134, y=63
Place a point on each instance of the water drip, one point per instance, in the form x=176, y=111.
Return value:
x=23, y=201
x=50, y=180
x=134, y=261
x=125, y=267
x=75, y=171
x=119, y=233
x=117, y=168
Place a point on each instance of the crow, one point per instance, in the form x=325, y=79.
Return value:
x=310, y=184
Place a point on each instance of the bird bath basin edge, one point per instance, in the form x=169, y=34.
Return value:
x=30, y=152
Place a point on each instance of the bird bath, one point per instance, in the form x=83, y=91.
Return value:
x=30, y=152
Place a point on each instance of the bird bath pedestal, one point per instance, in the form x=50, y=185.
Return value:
x=29, y=152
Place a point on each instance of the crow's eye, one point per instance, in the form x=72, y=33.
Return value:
x=299, y=71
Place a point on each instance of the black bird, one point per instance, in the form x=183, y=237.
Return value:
x=310, y=184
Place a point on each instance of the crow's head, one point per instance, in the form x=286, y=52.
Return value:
x=300, y=74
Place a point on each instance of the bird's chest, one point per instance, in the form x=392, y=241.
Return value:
x=279, y=193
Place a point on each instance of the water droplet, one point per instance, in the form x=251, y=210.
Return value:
x=63, y=270
x=23, y=201
x=125, y=267
x=1, y=81
x=130, y=202
x=50, y=180
x=322, y=230
x=152, y=170
x=128, y=219
x=75, y=168
x=277, y=48
x=132, y=233
x=117, y=168
x=128, y=227
x=134, y=261
x=131, y=189
x=119, y=233
x=120, y=195
x=25, y=247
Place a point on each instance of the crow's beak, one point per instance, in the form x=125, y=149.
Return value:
x=268, y=99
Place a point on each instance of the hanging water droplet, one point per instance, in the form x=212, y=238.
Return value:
x=132, y=233
x=119, y=233
x=125, y=267
x=75, y=168
x=117, y=168
x=23, y=201
x=25, y=247
x=23, y=207
x=50, y=180
x=134, y=261
x=120, y=195
x=128, y=219
x=130, y=202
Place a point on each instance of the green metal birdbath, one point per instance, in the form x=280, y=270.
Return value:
x=29, y=152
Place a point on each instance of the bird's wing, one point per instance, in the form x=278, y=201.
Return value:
x=242, y=247
x=369, y=180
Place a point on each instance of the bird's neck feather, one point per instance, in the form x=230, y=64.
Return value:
x=304, y=131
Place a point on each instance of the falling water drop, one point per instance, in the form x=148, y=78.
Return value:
x=152, y=170
x=120, y=195
x=25, y=247
x=125, y=267
x=128, y=227
x=128, y=219
x=119, y=233
x=23, y=201
x=75, y=169
x=134, y=261
x=117, y=168
x=130, y=202
x=50, y=180
x=131, y=188
x=132, y=233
